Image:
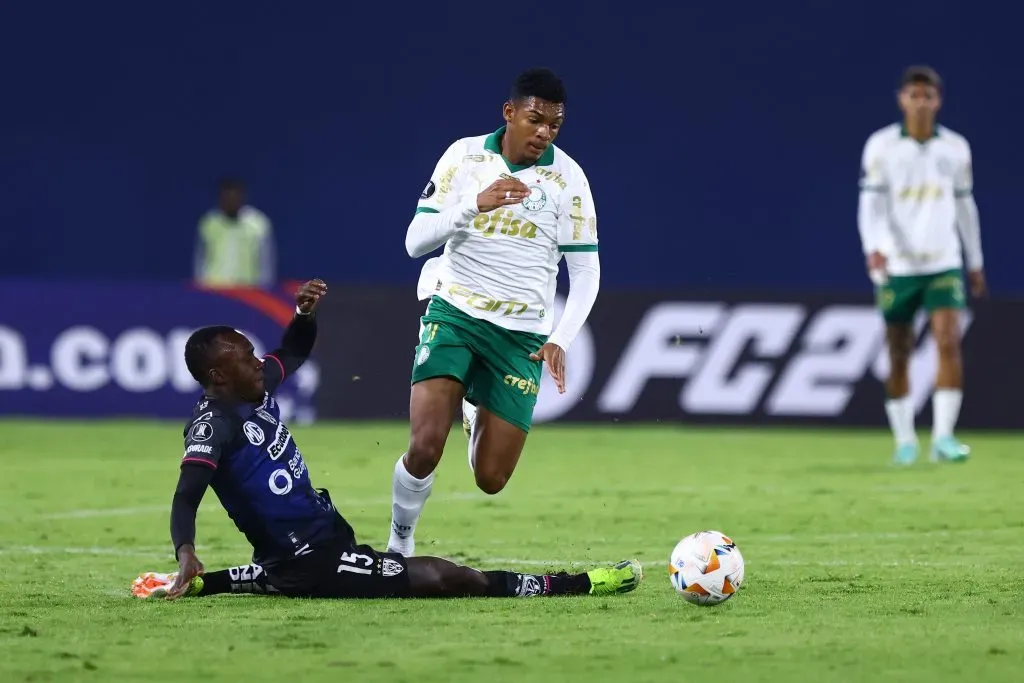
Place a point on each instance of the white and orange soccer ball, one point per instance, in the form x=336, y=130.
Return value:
x=706, y=568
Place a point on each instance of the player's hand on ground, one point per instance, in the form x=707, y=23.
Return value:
x=309, y=295
x=189, y=567
x=976, y=279
x=501, y=192
x=553, y=356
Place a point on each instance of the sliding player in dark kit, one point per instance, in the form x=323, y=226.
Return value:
x=236, y=443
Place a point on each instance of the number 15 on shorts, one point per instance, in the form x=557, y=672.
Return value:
x=350, y=563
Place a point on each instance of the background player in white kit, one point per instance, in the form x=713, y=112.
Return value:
x=916, y=205
x=507, y=207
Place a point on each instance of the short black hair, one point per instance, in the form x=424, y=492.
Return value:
x=199, y=350
x=230, y=183
x=921, y=74
x=541, y=83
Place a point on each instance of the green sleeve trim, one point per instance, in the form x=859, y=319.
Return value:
x=576, y=247
x=426, y=209
x=873, y=188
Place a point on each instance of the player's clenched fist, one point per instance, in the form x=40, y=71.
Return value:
x=309, y=295
x=501, y=193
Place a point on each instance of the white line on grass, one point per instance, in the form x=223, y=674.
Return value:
x=94, y=550
x=86, y=513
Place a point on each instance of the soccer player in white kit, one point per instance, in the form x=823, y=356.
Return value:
x=916, y=207
x=507, y=208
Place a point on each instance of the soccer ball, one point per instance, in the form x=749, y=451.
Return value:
x=706, y=568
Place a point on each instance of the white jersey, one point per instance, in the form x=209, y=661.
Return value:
x=921, y=183
x=503, y=267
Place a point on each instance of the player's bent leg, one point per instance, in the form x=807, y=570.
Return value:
x=433, y=405
x=495, y=449
x=433, y=577
x=948, y=395
x=899, y=406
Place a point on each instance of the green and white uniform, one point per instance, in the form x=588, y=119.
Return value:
x=916, y=206
x=492, y=290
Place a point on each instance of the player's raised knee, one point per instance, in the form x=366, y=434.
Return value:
x=425, y=449
x=948, y=344
x=490, y=482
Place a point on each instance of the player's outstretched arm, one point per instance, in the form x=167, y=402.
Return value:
x=192, y=483
x=298, y=338
x=207, y=439
x=577, y=240
x=584, y=283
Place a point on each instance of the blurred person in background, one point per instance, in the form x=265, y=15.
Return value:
x=916, y=207
x=235, y=242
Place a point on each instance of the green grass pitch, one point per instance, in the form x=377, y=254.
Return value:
x=856, y=571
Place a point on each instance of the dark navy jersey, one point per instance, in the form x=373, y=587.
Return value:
x=259, y=474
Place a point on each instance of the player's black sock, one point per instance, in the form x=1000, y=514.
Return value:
x=512, y=585
x=249, y=578
x=215, y=583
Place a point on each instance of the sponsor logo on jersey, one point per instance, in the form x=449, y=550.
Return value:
x=445, y=184
x=266, y=416
x=281, y=439
x=921, y=193
x=199, y=448
x=553, y=176
x=391, y=567
x=503, y=222
x=422, y=355
x=429, y=190
x=578, y=221
x=254, y=433
x=201, y=431
x=482, y=302
x=536, y=200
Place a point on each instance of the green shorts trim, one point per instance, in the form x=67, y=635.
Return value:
x=491, y=362
x=904, y=295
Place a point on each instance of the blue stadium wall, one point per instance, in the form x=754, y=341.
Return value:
x=722, y=139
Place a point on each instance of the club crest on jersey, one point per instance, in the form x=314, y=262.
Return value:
x=429, y=190
x=254, y=433
x=422, y=355
x=537, y=200
x=201, y=431
x=391, y=567
x=944, y=166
